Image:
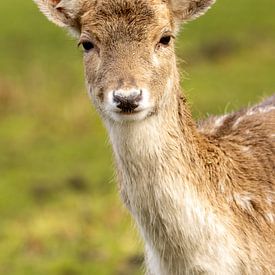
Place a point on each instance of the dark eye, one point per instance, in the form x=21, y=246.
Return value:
x=87, y=46
x=165, y=40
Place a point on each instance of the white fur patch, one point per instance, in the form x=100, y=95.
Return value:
x=270, y=217
x=220, y=121
x=155, y=60
x=245, y=148
x=243, y=201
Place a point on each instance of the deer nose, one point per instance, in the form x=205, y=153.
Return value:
x=127, y=102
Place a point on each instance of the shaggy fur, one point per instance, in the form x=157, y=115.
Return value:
x=202, y=195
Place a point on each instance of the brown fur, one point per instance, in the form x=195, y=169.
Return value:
x=202, y=196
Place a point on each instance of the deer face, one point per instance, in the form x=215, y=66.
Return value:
x=128, y=56
x=128, y=49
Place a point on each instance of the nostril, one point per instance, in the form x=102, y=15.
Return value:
x=129, y=102
x=139, y=96
x=118, y=98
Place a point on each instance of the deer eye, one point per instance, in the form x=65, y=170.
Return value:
x=165, y=40
x=87, y=45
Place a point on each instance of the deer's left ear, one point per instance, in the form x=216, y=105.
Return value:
x=64, y=13
x=186, y=10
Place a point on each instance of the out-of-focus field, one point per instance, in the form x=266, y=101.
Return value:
x=59, y=210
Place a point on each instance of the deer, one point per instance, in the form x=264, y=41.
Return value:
x=201, y=193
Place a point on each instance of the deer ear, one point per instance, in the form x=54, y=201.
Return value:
x=187, y=10
x=64, y=13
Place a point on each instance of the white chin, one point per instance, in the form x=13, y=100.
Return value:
x=124, y=117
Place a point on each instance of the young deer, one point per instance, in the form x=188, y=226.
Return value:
x=202, y=196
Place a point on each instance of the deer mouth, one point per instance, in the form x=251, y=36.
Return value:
x=128, y=112
x=130, y=115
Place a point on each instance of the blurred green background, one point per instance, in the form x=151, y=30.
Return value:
x=60, y=212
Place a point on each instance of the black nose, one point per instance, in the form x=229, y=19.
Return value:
x=127, y=103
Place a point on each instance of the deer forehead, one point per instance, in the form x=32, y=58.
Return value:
x=132, y=20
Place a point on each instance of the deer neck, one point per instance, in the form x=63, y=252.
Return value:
x=165, y=181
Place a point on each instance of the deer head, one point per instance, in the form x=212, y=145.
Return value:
x=128, y=49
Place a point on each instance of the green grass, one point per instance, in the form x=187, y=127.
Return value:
x=60, y=211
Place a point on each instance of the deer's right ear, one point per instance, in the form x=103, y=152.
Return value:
x=64, y=13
